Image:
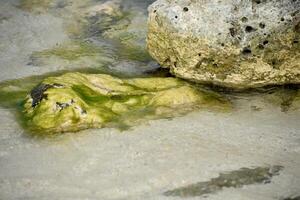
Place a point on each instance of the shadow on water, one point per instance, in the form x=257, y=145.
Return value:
x=233, y=179
x=283, y=96
x=292, y=198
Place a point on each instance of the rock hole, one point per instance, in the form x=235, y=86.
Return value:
x=154, y=11
x=232, y=32
x=276, y=63
x=222, y=44
x=260, y=46
x=167, y=61
x=249, y=29
x=273, y=62
x=247, y=51
x=199, y=54
x=185, y=9
x=244, y=19
x=294, y=13
x=262, y=25
x=257, y=1
x=297, y=28
x=295, y=41
x=176, y=16
x=265, y=42
x=61, y=106
x=282, y=19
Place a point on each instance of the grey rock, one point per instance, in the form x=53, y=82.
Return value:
x=232, y=43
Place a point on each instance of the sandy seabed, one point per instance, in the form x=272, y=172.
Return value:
x=145, y=161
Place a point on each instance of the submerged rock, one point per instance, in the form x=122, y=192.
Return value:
x=101, y=33
x=77, y=101
x=237, y=44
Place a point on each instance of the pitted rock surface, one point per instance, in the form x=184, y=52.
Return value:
x=232, y=43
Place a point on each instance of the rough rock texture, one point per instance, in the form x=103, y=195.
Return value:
x=76, y=101
x=233, y=43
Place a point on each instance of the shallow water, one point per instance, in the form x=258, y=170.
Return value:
x=49, y=37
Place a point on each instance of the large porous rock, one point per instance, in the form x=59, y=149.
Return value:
x=76, y=101
x=232, y=43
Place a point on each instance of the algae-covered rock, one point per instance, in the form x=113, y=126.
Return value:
x=77, y=101
x=238, y=44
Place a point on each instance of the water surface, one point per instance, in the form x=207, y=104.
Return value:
x=41, y=38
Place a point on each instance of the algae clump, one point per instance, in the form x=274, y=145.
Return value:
x=71, y=51
x=77, y=101
x=35, y=5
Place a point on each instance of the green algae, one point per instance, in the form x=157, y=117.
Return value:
x=100, y=23
x=233, y=179
x=76, y=101
x=136, y=53
x=35, y=5
x=14, y=91
x=73, y=55
x=71, y=51
x=90, y=96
